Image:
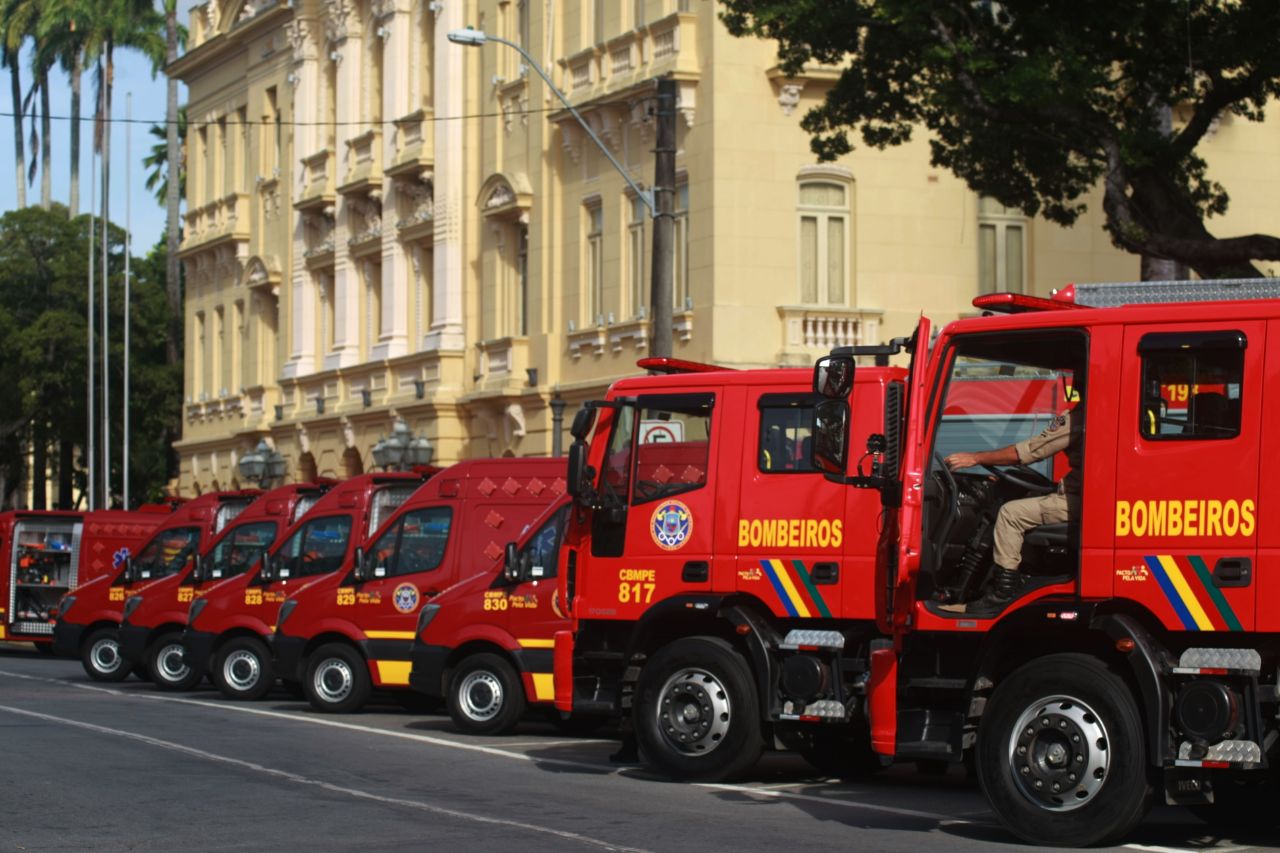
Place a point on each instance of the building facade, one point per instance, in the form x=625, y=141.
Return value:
x=383, y=225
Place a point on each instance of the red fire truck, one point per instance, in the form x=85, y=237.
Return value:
x=88, y=619
x=484, y=645
x=227, y=628
x=46, y=554
x=155, y=616
x=1139, y=656
x=352, y=630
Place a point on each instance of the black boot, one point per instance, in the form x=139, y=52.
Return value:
x=1004, y=588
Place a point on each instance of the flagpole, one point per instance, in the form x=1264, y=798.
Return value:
x=128, y=250
x=106, y=328
x=90, y=454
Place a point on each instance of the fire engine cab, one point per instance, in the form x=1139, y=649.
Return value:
x=1140, y=652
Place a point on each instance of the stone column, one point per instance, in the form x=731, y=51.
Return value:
x=348, y=46
x=449, y=96
x=397, y=28
x=308, y=138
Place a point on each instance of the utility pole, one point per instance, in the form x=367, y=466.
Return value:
x=664, y=190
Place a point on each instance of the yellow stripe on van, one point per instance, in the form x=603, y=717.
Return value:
x=537, y=644
x=544, y=686
x=1184, y=592
x=394, y=671
x=1, y=629
x=389, y=635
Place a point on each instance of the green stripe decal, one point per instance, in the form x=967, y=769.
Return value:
x=1219, y=600
x=803, y=574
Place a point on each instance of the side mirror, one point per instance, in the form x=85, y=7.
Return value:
x=361, y=565
x=831, y=436
x=202, y=562
x=511, y=563
x=577, y=463
x=833, y=376
x=583, y=420
x=268, y=568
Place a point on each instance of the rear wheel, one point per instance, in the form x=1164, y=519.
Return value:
x=1061, y=753
x=486, y=696
x=337, y=679
x=100, y=656
x=697, y=716
x=166, y=666
x=242, y=669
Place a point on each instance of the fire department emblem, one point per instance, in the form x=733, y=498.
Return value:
x=671, y=525
x=405, y=598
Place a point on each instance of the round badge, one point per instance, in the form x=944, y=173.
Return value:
x=671, y=525
x=405, y=598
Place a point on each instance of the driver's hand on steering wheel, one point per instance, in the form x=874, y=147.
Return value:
x=956, y=461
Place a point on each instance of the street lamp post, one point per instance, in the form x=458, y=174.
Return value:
x=262, y=465
x=402, y=450
x=661, y=206
x=557, y=424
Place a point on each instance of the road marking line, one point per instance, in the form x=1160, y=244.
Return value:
x=515, y=744
x=1152, y=848
x=327, y=786
x=451, y=744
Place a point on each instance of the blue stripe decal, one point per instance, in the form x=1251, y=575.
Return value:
x=1188, y=621
x=779, y=588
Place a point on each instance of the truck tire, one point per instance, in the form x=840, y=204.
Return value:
x=486, y=695
x=242, y=669
x=100, y=656
x=165, y=664
x=337, y=679
x=696, y=713
x=1062, y=753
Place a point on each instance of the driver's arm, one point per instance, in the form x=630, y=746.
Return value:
x=1000, y=456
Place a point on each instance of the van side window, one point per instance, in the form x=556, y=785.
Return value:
x=1192, y=384
x=673, y=447
x=542, y=551
x=424, y=537
x=786, y=433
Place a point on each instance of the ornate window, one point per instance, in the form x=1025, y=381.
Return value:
x=637, y=286
x=593, y=263
x=1002, y=248
x=824, y=236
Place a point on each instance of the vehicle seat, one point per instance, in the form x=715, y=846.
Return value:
x=1051, y=550
x=1049, y=535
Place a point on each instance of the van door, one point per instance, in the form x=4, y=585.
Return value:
x=1186, y=504
x=530, y=610
x=790, y=526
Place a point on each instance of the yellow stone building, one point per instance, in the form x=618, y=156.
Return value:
x=384, y=225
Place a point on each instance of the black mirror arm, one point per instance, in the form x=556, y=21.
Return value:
x=890, y=490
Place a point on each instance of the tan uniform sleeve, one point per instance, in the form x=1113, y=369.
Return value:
x=1055, y=438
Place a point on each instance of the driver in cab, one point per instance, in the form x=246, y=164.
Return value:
x=1018, y=516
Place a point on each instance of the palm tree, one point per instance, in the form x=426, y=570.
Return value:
x=157, y=162
x=26, y=16
x=12, y=37
x=63, y=39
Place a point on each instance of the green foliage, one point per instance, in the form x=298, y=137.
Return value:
x=1037, y=104
x=157, y=162
x=43, y=346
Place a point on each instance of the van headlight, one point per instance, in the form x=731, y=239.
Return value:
x=425, y=616
x=285, y=610
x=130, y=605
x=194, y=611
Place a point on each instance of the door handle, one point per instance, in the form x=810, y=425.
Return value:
x=430, y=593
x=1233, y=572
x=696, y=571
x=825, y=573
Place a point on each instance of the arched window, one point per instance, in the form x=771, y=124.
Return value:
x=825, y=238
x=1002, y=248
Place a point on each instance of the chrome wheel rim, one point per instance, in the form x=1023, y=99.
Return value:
x=480, y=696
x=333, y=680
x=105, y=656
x=694, y=711
x=170, y=665
x=1059, y=753
x=242, y=669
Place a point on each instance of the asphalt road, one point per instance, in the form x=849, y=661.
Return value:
x=124, y=767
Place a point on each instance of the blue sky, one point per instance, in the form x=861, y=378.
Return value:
x=133, y=74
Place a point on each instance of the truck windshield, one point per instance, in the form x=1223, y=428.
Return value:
x=167, y=553
x=659, y=446
x=317, y=549
x=241, y=548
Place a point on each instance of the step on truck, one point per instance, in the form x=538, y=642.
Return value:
x=228, y=629
x=351, y=631
x=154, y=617
x=46, y=554
x=88, y=620
x=1138, y=658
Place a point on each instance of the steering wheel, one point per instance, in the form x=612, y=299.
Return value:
x=949, y=501
x=1024, y=477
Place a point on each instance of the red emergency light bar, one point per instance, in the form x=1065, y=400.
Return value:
x=666, y=364
x=1017, y=303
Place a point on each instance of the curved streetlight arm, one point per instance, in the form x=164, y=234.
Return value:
x=476, y=38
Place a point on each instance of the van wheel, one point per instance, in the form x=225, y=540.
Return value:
x=166, y=667
x=100, y=656
x=696, y=713
x=1062, y=756
x=486, y=696
x=337, y=679
x=242, y=669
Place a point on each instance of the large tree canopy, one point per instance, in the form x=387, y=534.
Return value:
x=1035, y=104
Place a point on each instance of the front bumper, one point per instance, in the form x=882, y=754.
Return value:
x=66, y=639
x=197, y=650
x=286, y=653
x=426, y=673
x=133, y=643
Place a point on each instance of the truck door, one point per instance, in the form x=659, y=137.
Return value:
x=654, y=539
x=791, y=520
x=530, y=610
x=899, y=554
x=1186, y=503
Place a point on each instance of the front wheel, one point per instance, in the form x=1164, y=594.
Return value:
x=242, y=669
x=486, y=696
x=100, y=656
x=1061, y=753
x=166, y=666
x=697, y=716
x=337, y=679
